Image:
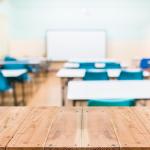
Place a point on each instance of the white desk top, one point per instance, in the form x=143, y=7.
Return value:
x=83, y=90
x=34, y=60
x=98, y=63
x=13, y=73
x=71, y=65
x=77, y=65
x=28, y=62
x=71, y=73
x=80, y=73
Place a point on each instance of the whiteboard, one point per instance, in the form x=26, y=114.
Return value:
x=76, y=44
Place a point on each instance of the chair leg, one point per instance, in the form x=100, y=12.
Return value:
x=14, y=94
x=2, y=98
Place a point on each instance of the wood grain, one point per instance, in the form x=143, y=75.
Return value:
x=98, y=130
x=33, y=133
x=143, y=113
x=10, y=120
x=47, y=128
x=129, y=129
x=66, y=129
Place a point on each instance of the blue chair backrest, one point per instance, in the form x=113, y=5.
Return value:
x=112, y=65
x=96, y=75
x=131, y=75
x=145, y=63
x=90, y=65
x=9, y=58
x=14, y=63
x=4, y=84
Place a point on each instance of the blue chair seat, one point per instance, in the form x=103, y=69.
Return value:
x=112, y=102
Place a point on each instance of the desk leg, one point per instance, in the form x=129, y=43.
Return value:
x=23, y=93
x=14, y=94
x=74, y=103
x=63, y=84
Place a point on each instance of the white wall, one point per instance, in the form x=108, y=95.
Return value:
x=4, y=28
x=124, y=20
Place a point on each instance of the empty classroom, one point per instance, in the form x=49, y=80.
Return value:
x=74, y=74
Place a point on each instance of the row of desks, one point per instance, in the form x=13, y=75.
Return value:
x=80, y=73
x=83, y=90
x=47, y=128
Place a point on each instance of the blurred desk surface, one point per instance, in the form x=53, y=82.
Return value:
x=80, y=73
x=29, y=128
x=28, y=61
x=13, y=73
x=77, y=65
x=98, y=64
x=71, y=73
x=113, y=89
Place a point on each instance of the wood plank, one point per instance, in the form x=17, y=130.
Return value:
x=130, y=131
x=66, y=130
x=143, y=113
x=33, y=133
x=98, y=130
x=10, y=119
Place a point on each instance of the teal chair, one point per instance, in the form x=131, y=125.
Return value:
x=4, y=83
x=89, y=65
x=4, y=86
x=131, y=75
x=112, y=102
x=9, y=58
x=96, y=75
x=112, y=65
x=16, y=65
x=13, y=63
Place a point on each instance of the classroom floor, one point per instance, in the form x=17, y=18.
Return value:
x=48, y=93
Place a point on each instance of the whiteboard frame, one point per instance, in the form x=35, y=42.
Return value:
x=77, y=29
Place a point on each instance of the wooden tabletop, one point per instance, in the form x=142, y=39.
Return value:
x=27, y=128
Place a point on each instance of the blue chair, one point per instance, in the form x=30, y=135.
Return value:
x=9, y=58
x=18, y=64
x=112, y=65
x=4, y=86
x=131, y=75
x=15, y=64
x=145, y=63
x=112, y=102
x=96, y=75
x=89, y=65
